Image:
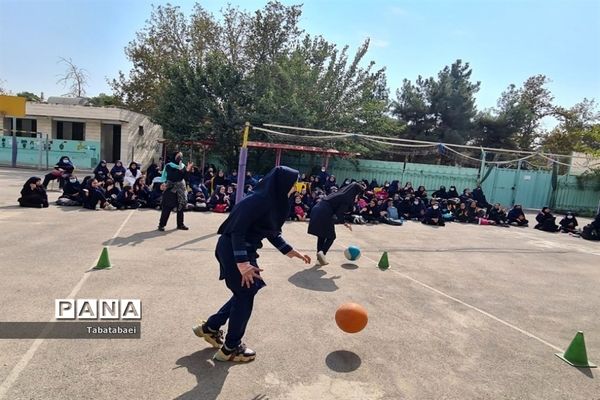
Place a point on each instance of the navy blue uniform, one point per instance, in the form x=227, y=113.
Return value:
x=260, y=215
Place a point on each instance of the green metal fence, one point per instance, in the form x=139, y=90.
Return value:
x=532, y=189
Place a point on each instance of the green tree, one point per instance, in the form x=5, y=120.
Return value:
x=105, y=100
x=29, y=96
x=441, y=109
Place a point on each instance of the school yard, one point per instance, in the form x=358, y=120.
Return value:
x=465, y=312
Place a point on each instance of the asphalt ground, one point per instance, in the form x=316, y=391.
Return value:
x=464, y=312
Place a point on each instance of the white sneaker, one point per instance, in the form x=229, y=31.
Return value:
x=109, y=207
x=321, y=258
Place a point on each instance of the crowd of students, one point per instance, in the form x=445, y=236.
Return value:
x=213, y=190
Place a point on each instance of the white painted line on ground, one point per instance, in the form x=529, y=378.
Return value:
x=479, y=310
x=24, y=361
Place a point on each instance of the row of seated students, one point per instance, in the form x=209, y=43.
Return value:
x=390, y=203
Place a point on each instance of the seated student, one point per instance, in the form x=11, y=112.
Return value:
x=141, y=191
x=453, y=196
x=422, y=194
x=196, y=179
x=478, y=215
x=592, y=231
x=447, y=211
x=479, y=197
x=153, y=171
x=433, y=215
x=132, y=174
x=200, y=203
x=127, y=199
x=408, y=189
x=117, y=172
x=569, y=223
x=466, y=197
x=231, y=194
x=70, y=195
x=101, y=171
x=92, y=195
x=111, y=191
x=498, y=215
x=404, y=207
x=33, y=194
x=461, y=213
x=440, y=193
x=299, y=210
x=155, y=195
x=516, y=216
x=63, y=168
x=392, y=217
x=546, y=221
x=219, y=201
x=371, y=213
x=417, y=209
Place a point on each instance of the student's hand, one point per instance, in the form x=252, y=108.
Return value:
x=347, y=225
x=295, y=254
x=248, y=272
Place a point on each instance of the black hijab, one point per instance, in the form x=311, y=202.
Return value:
x=344, y=198
x=134, y=170
x=101, y=167
x=26, y=188
x=268, y=199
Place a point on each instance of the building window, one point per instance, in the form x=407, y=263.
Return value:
x=141, y=130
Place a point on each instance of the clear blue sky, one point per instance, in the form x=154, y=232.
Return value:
x=505, y=41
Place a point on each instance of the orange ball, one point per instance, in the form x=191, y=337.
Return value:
x=351, y=317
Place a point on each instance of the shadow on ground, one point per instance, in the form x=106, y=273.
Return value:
x=314, y=279
x=136, y=238
x=210, y=375
x=343, y=361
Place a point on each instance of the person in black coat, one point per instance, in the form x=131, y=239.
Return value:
x=546, y=221
x=71, y=189
x=479, y=197
x=63, y=168
x=440, y=194
x=92, y=195
x=569, y=223
x=258, y=216
x=329, y=211
x=517, y=217
x=498, y=215
x=118, y=173
x=33, y=194
x=433, y=215
x=101, y=171
x=417, y=209
x=175, y=195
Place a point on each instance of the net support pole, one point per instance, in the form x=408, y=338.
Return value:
x=278, y=158
x=14, y=143
x=239, y=193
x=482, y=166
x=40, y=142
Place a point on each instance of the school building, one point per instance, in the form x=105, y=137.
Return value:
x=67, y=126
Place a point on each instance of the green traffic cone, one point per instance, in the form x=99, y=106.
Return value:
x=576, y=354
x=103, y=261
x=383, y=261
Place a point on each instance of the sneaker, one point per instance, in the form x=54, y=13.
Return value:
x=161, y=228
x=109, y=207
x=215, y=338
x=183, y=228
x=321, y=258
x=239, y=354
